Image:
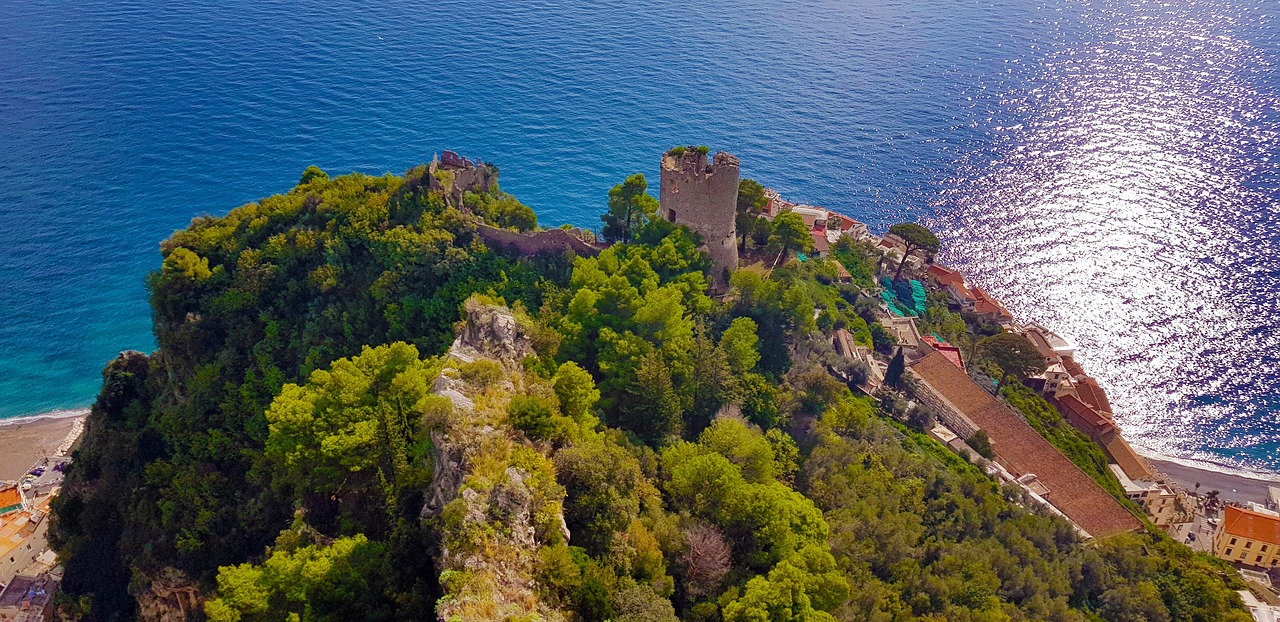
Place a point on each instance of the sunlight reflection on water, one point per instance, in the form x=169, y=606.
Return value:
x=1133, y=211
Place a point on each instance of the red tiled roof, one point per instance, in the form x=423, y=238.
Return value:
x=1073, y=407
x=842, y=272
x=1091, y=393
x=986, y=305
x=1021, y=450
x=951, y=352
x=1252, y=525
x=820, y=244
x=946, y=276
x=1072, y=366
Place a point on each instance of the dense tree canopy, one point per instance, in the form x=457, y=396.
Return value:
x=299, y=449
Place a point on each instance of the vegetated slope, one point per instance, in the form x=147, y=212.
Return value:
x=602, y=441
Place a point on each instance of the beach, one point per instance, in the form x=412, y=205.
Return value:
x=25, y=441
x=1230, y=486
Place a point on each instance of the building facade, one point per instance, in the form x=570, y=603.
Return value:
x=1157, y=500
x=701, y=193
x=1248, y=537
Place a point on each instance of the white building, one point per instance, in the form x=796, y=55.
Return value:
x=1159, y=502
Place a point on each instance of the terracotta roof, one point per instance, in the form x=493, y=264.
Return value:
x=846, y=223
x=1071, y=406
x=945, y=275
x=10, y=497
x=1072, y=366
x=1133, y=465
x=986, y=305
x=951, y=352
x=820, y=243
x=841, y=272
x=1252, y=525
x=1021, y=450
x=1091, y=393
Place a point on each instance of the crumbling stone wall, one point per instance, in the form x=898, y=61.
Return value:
x=453, y=179
x=702, y=194
x=554, y=241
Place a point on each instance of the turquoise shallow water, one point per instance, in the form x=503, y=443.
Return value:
x=1002, y=123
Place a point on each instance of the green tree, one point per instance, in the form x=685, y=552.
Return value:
x=893, y=373
x=313, y=173
x=743, y=445
x=981, y=443
x=532, y=415
x=751, y=202
x=629, y=206
x=348, y=435
x=806, y=586
x=312, y=583
x=786, y=455
x=916, y=237
x=790, y=233
x=740, y=344
x=604, y=487
x=576, y=390
x=1014, y=354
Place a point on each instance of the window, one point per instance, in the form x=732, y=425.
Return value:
x=1228, y=553
x=1249, y=544
x=671, y=215
x=1263, y=549
x=1233, y=541
x=1258, y=561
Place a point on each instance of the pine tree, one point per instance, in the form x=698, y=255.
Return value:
x=893, y=374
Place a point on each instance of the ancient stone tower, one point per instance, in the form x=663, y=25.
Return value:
x=703, y=195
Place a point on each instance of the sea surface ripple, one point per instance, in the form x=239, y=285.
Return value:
x=1103, y=166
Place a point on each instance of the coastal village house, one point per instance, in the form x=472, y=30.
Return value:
x=28, y=599
x=826, y=226
x=1157, y=500
x=22, y=532
x=1249, y=537
x=962, y=294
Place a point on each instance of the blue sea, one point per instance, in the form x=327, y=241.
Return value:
x=1105, y=167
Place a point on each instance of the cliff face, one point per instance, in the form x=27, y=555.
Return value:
x=493, y=498
x=170, y=597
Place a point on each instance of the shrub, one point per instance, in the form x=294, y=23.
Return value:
x=532, y=415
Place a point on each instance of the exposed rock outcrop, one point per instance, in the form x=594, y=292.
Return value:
x=491, y=332
x=493, y=498
x=170, y=597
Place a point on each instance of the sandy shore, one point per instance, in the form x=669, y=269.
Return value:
x=1230, y=487
x=23, y=443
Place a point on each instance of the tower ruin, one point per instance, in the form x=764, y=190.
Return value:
x=702, y=194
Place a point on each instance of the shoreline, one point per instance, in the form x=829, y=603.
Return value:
x=60, y=413
x=24, y=440
x=1232, y=484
